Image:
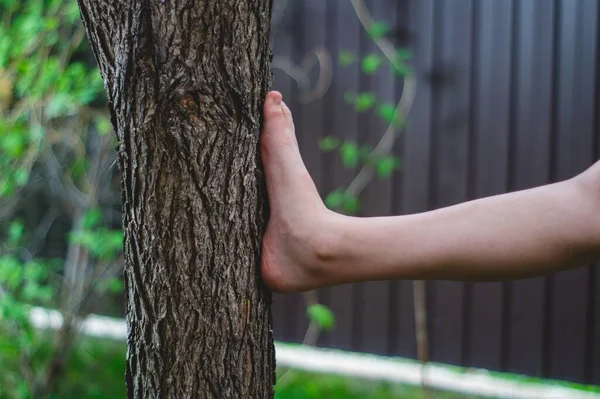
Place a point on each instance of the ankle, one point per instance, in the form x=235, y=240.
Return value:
x=325, y=248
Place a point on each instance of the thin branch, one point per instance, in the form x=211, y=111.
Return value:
x=301, y=73
x=386, y=144
x=366, y=174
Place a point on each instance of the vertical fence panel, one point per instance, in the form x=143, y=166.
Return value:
x=532, y=115
x=451, y=129
x=416, y=159
x=573, y=153
x=347, y=32
x=310, y=113
x=491, y=132
x=594, y=332
x=330, y=159
x=377, y=197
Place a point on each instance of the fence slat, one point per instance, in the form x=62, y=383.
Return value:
x=451, y=132
x=412, y=184
x=491, y=134
x=531, y=108
x=573, y=153
x=347, y=32
x=377, y=197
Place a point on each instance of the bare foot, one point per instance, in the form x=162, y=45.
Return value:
x=296, y=243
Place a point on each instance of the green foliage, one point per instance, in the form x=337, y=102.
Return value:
x=379, y=29
x=322, y=316
x=364, y=102
x=388, y=112
x=346, y=58
x=349, y=154
x=339, y=200
x=371, y=63
x=329, y=143
x=52, y=115
x=385, y=165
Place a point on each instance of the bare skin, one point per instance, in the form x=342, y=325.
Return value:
x=512, y=236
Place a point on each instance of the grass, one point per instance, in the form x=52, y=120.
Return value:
x=96, y=370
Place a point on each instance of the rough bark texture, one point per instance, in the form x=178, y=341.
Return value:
x=186, y=81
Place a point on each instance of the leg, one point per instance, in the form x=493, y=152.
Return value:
x=523, y=234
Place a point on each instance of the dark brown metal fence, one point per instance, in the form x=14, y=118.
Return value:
x=507, y=99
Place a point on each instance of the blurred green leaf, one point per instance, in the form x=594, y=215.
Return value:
x=402, y=69
x=346, y=58
x=349, y=154
x=335, y=199
x=103, y=125
x=93, y=218
x=322, y=316
x=403, y=54
x=13, y=145
x=386, y=112
x=351, y=205
x=21, y=177
x=329, y=143
x=378, y=29
x=79, y=167
x=15, y=231
x=371, y=63
x=386, y=165
x=364, y=102
x=110, y=285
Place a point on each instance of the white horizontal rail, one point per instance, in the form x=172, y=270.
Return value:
x=358, y=365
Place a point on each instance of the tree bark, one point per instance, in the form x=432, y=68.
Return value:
x=186, y=81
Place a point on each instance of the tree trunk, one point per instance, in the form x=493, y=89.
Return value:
x=186, y=81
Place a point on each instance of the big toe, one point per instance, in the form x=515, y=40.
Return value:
x=278, y=127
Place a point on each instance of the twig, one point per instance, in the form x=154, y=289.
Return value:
x=385, y=145
x=366, y=174
x=300, y=74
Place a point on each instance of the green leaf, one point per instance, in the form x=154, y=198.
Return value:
x=103, y=125
x=92, y=218
x=6, y=187
x=403, y=54
x=401, y=69
x=13, y=145
x=110, y=285
x=351, y=205
x=329, y=143
x=349, y=154
x=371, y=63
x=51, y=23
x=346, y=58
x=72, y=12
x=378, y=29
x=364, y=102
x=322, y=316
x=21, y=177
x=78, y=168
x=335, y=199
x=115, y=286
x=15, y=231
x=387, y=112
x=386, y=165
